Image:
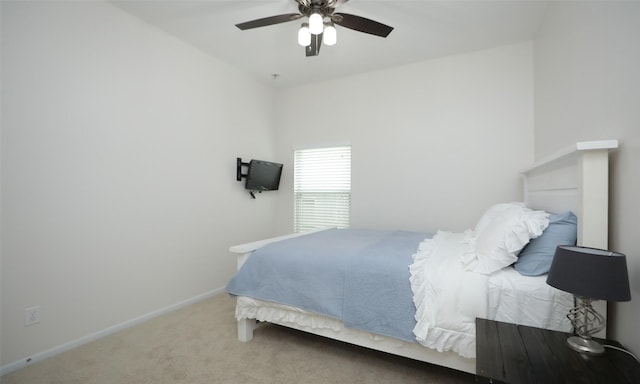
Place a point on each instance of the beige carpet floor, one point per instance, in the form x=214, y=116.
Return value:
x=198, y=344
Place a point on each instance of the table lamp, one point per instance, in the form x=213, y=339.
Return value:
x=589, y=274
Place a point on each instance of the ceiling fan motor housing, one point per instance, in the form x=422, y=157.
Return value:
x=324, y=8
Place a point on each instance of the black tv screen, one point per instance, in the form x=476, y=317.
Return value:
x=263, y=175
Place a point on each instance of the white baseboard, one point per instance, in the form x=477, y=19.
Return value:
x=11, y=367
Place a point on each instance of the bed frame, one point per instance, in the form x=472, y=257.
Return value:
x=576, y=179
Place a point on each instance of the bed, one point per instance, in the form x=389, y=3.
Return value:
x=574, y=180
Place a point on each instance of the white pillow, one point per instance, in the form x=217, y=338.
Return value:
x=492, y=212
x=501, y=237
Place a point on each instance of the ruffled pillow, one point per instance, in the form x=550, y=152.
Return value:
x=498, y=240
x=492, y=212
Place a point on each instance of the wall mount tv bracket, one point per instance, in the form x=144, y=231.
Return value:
x=240, y=175
x=239, y=165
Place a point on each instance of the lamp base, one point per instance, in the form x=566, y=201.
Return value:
x=588, y=346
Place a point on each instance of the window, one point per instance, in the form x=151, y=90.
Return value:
x=322, y=188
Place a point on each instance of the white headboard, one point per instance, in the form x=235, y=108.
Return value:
x=575, y=179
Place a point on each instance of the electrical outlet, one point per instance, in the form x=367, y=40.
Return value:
x=31, y=315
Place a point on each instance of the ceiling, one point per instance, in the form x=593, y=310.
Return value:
x=424, y=30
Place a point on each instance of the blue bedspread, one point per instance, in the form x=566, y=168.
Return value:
x=358, y=276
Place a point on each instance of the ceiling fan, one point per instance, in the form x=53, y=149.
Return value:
x=311, y=34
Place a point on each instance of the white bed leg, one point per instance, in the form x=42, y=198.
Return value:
x=245, y=329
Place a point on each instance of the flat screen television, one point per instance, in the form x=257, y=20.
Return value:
x=263, y=175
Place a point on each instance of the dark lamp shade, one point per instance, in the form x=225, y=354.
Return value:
x=591, y=273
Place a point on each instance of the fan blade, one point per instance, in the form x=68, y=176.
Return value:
x=361, y=24
x=314, y=48
x=269, y=21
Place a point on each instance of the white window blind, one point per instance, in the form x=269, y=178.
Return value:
x=322, y=188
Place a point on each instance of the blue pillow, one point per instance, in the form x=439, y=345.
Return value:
x=536, y=257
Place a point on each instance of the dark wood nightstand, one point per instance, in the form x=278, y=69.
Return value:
x=510, y=353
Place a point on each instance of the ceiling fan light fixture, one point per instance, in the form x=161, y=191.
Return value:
x=314, y=31
x=330, y=35
x=316, y=23
x=304, y=36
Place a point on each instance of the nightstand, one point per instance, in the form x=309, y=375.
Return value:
x=510, y=353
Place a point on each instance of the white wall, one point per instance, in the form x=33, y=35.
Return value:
x=433, y=143
x=118, y=171
x=587, y=87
